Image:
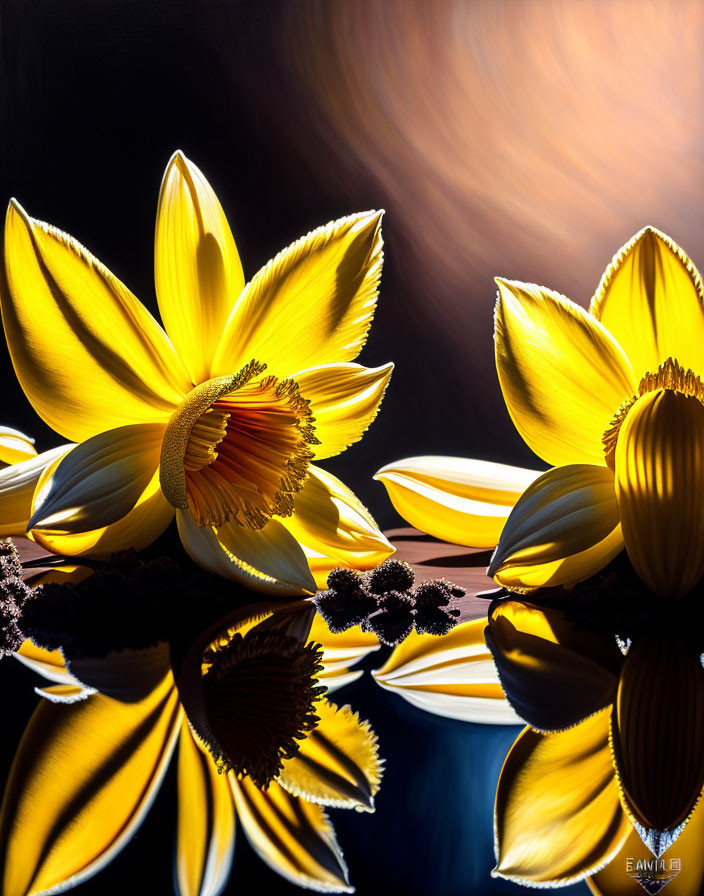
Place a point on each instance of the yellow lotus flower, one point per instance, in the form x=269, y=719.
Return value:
x=95, y=751
x=612, y=399
x=215, y=419
x=611, y=768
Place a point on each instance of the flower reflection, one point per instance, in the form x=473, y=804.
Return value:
x=611, y=765
x=171, y=662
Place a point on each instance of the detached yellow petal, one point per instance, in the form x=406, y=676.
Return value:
x=17, y=485
x=563, y=375
x=197, y=269
x=334, y=528
x=312, y=304
x=15, y=446
x=564, y=528
x=87, y=353
x=338, y=762
x=615, y=881
x=660, y=490
x=457, y=500
x=292, y=836
x=344, y=400
x=47, y=663
x=137, y=529
x=650, y=298
x=268, y=560
x=558, y=816
x=206, y=822
x=83, y=778
x=99, y=481
x=452, y=676
x=340, y=652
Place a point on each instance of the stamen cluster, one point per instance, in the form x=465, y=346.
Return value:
x=387, y=602
x=13, y=595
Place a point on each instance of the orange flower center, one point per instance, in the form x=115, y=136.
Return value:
x=238, y=449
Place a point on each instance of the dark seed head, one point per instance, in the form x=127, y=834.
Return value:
x=391, y=575
x=394, y=620
x=343, y=609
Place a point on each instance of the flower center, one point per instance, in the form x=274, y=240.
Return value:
x=238, y=449
x=670, y=375
x=258, y=698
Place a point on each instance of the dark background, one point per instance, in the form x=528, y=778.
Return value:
x=527, y=139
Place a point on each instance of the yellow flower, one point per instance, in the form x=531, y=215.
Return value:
x=610, y=768
x=216, y=418
x=95, y=752
x=612, y=399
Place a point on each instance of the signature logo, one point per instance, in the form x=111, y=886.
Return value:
x=653, y=874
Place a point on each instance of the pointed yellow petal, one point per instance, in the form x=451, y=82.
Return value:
x=557, y=815
x=312, y=304
x=338, y=762
x=15, y=446
x=452, y=676
x=660, y=490
x=137, y=529
x=457, y=500
x=292, y=836
x=83, y=778
x=268, y=560
x=553, y=674
x=334, y=528
x=48, y=663
x=17, y=485
x=99, y=481
x=564, y=528
x=206, y=822
x=340, y=652
x=344, y=400
x=88, y=355
x=563, y=375
x=650, y=298
x=197, y=268
x=614, y=880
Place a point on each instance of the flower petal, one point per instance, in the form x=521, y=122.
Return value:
x=344, y=400
x=206, y=822
x=99, y=481
x=553, y=675
x=658, y=732
x=564, y=528
x=293, y=837
x=463, y=501
x=650, y=298
x=48, y=663
x=128, y=675
x=338, y=761
x=334, y=528
x=197, y=268
x=557, y=815
x=563, y=375
x=312, y=304
x=660, y=490
x=87, y=353
x=615, y=880
x=452, y=676
x=17, y=485
x=82, y=780
x=268, y=559
x=15, y=446
x=340, y=652
x=137, y=529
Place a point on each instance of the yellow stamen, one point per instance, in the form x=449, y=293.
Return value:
x=670, y=375
x=237, y=449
